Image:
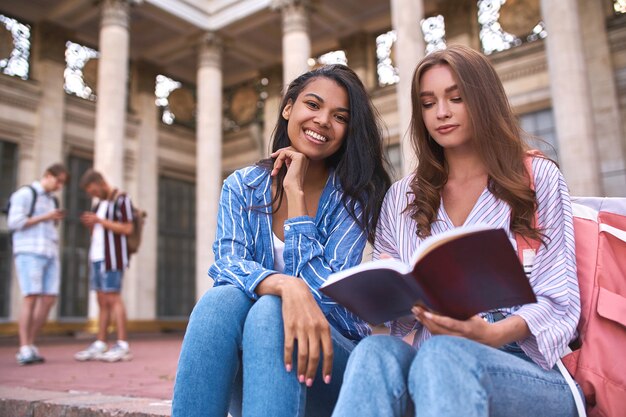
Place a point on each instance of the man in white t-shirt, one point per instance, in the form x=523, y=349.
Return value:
x=110, y=222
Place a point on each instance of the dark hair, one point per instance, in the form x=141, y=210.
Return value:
x=496, y=135
x=89, y=177
x=359, y=163
x=57, y=169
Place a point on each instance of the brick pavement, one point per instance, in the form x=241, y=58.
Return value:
x=62, y=386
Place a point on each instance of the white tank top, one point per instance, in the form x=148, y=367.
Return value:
x=279, y=248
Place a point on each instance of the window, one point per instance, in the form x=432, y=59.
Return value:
x=74, y=292
x=520, y=16
x=387, y=72
x=434, y=30
x=492, y=36
x=80, y=71
x=540, y=124
x=163, y=87
x=15, y=47
x=329, y=58
x=176, y=276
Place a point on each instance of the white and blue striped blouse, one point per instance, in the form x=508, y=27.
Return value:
x=553, y=319
x=314, y=247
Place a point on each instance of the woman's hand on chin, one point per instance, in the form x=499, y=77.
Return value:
x=296, y=163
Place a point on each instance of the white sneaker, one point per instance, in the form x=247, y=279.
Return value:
x=25, y=356
x=38, y=357
x=93, y=352
x=119, y=352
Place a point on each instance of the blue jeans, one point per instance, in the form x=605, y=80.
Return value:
x=449, y=376
x=232, y=360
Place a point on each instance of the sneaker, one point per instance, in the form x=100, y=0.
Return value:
x=119, y=352
x=93, y=352
x=38, y=357
x=25, y=356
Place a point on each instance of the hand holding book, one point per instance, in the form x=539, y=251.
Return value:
x=458, y=274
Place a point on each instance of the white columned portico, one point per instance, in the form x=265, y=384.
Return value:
x=112, y=91
x=208, y=155
x=296, y=39
x=406, y=16
x=571, y=100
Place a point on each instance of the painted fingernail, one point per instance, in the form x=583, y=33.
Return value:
x=301, y=378
x=309, y=382
x=288, y=367
x=428, y=315
x=327, y=379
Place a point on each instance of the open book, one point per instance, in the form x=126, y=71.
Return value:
x=458, y=274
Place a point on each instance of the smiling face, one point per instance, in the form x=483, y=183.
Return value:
x=318, y=119
x=443, y=111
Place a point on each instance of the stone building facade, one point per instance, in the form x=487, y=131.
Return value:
x=563, y=64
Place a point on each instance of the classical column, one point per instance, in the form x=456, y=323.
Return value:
x=208, y=155
x=604, y=102
x=111, y=91
x=571, y=100
x=296, y=40
x=271, y=109
x=142, y=283
x=48, y=69
x=406, y=16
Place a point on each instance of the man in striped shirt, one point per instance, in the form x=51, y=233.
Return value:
x=111, y=221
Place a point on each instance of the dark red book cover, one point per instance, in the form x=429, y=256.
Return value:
x=474, y=270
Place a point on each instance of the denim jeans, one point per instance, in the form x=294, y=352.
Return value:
x=448, y=376
x=232, y=360
x=105, y=281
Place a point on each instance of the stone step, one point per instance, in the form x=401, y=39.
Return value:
x=26, y=402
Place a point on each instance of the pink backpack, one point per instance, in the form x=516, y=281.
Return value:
x=599, y=363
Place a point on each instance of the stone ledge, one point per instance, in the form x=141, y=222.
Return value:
x=25, y=402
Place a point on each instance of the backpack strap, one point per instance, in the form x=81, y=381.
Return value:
x=578, y=398
x=32, y=205
x=116, y=196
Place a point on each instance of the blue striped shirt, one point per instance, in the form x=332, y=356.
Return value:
x=41, y=238
x=314, y=247
x=553, y=319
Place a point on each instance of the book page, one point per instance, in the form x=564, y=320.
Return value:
x=382, y=264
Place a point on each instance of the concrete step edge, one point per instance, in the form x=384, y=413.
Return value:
x=26, y=402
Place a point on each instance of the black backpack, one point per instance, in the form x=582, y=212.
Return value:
x=5, y=209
